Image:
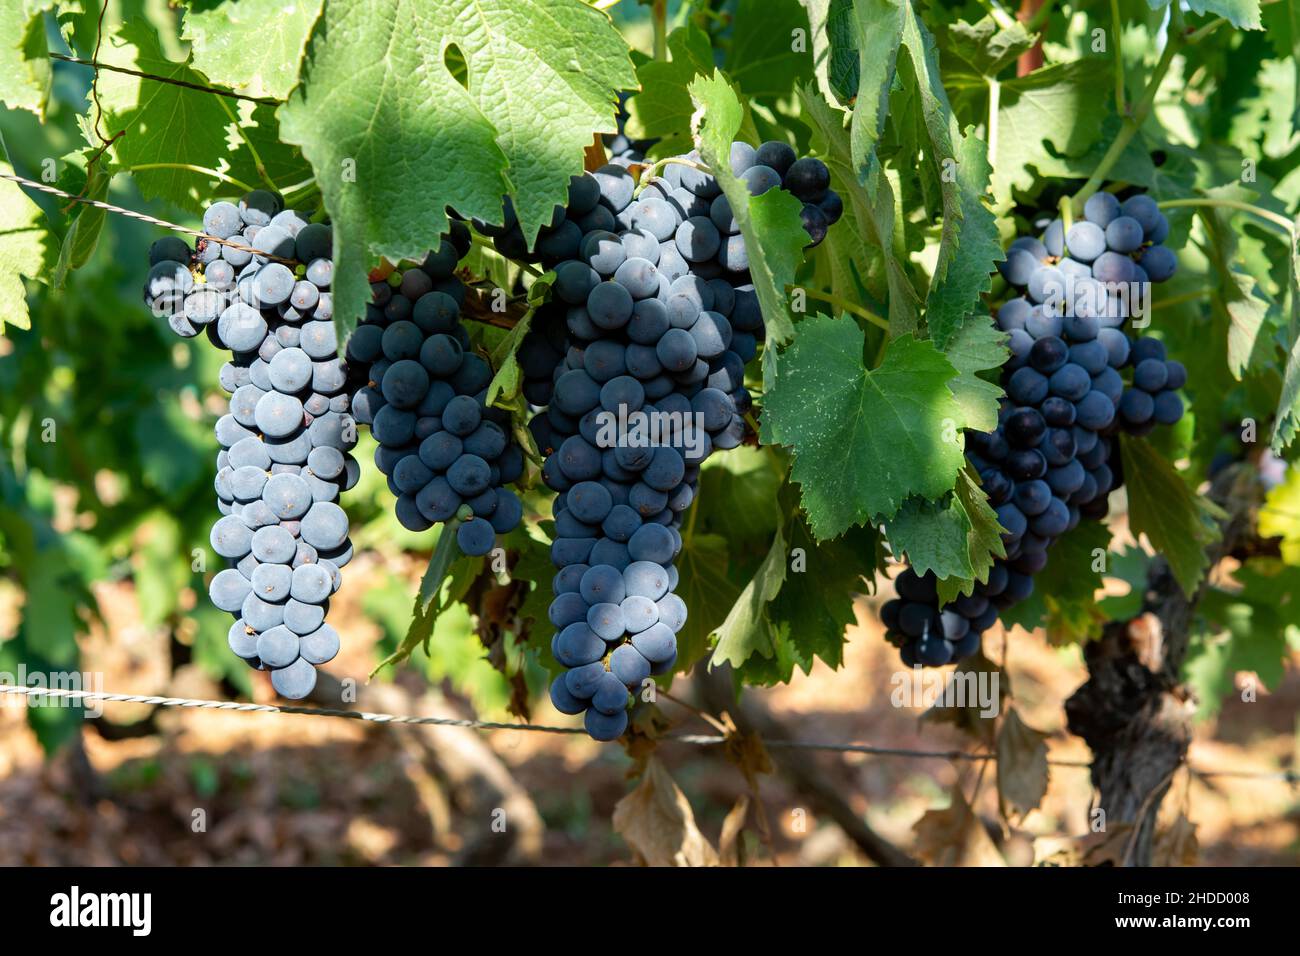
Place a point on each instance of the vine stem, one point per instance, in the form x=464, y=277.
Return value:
x=659, y=16
x=1004, y=20
x=1177, y=40
x=486, y=243
x=1275, y=218
x=843, y=303
x=1118, y=30
x=1039, y=19
x=651, y=171
x=995, y=103
x=238, y=184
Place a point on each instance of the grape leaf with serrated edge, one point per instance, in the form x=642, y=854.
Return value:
x=863, y=440
x=375, y=126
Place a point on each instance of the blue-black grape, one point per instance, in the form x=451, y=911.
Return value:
x=1050, y=461
x=286, y=440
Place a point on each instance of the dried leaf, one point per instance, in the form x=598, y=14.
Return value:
x=731, y=848
x=974, y=673
x=955, y=836
x=656, y=821
x=1106, y=848
x=1022, y=766
x=1176, y=845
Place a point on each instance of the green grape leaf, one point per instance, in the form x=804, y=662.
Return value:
x=395, y=138
x=878, y=32
x=835, y=59
x=1049, y=119
x=25, y=73
x=773, y=216
x=1247, y=631
x=748, y=630
x=1242, y=14
x=814, y=607
x=957, y=537
x=172, y=446
x=1132, y=568
x=534, y=564
x=663, y=108
x=868, y=215
x=932, y=534
x=1235, y=293
x=977, y=346
x=445, y=582
x=508, y=378
x=986, y=47
x=1282, y=27
x=864, y=440
x=1288, y=406
x=253, y=46
x=708, y=592
x=736, y=494
x=24, y=239
x=984, y=543
x=164, y=126
x=762, y=59
x=254, y=129
x=82, y=235
x=1064, y=601
x=1178, y=523
x=969, y=245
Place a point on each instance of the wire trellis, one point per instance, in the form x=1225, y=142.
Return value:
x=699, y=740
x=142, y=217
x=97, y=65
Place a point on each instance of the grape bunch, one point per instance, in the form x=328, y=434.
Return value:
x=651, y=323
x=286, y=437
x=1049, y=463
x=422, y=391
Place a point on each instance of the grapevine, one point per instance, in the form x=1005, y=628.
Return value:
x=633, y=360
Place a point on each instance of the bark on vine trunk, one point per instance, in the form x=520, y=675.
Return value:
x=1133, y=711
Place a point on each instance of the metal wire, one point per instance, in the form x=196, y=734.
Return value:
x=95, y=64
x=142, y=217
x=700, y=740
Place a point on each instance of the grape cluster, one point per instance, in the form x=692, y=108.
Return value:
x=1049, y=463
x=285, y=440
x=422, y=391
x=651, y=323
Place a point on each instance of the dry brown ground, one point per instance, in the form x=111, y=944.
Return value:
x=297, y=790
